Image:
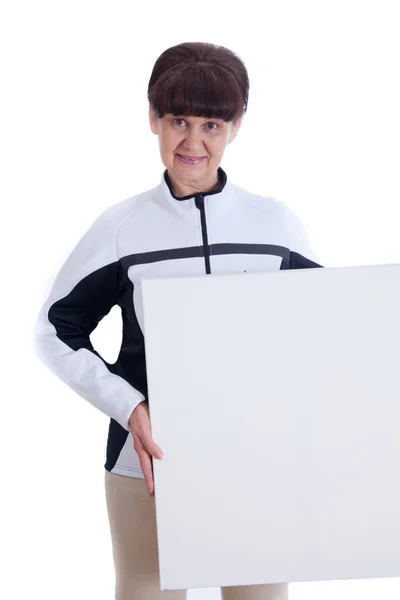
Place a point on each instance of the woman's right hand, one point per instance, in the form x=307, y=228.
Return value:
x=140, y=427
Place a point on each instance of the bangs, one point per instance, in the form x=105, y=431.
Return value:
x=199, y=91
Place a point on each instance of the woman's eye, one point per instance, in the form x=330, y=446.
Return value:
x=211, y=126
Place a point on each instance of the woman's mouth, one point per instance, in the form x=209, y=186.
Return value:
x=187, y=160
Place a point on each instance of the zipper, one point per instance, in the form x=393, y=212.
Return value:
x=199, y=201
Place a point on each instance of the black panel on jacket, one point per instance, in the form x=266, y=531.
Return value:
x=298, y=261
x=76, y=315
x=130, y=365
x=145, y=258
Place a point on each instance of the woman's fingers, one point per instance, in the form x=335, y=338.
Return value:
x=140, y=426
x=145, y=463
x=149, y=444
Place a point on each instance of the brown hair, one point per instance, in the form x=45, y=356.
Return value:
x=201, y=80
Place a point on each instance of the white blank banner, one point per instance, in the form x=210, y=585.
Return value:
x=275, y=398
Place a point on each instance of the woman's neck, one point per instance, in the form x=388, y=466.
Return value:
x=182, y=188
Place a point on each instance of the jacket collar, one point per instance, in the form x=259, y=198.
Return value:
x=222, y=180
x=217, y=202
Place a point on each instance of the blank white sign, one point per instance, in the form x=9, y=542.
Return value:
x=275, y=398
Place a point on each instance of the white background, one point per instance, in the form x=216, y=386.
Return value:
x=322, y=134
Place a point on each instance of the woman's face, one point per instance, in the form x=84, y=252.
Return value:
x=192, y=137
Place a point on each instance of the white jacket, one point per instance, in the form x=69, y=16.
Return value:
x=153, y=234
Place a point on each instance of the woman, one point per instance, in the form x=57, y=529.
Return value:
x=194, y=222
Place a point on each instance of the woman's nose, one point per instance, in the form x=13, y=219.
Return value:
x=193, y=139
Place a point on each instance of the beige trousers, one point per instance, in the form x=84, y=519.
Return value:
x=131, y=513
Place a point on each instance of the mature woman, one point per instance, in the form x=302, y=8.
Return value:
x=196, y=221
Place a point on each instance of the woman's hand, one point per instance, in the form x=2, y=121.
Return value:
x=139, y=425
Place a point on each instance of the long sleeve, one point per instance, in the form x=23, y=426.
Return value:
x=84, y=291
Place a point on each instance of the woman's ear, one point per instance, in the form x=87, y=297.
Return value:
x=153, y=120
x=235, y=128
